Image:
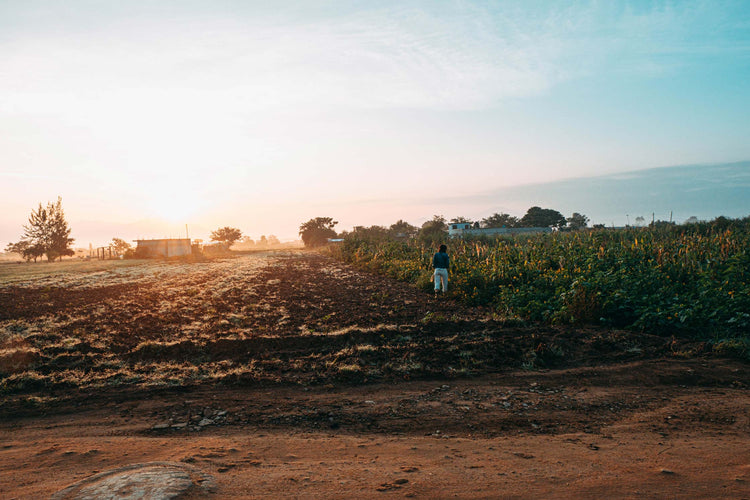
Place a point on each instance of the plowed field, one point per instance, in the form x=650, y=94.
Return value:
x=289, y=374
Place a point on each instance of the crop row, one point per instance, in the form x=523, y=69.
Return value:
x=680, y=280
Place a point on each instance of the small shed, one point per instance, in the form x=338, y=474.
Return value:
x=168, y=247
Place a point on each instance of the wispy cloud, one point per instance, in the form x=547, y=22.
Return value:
x=454, y=55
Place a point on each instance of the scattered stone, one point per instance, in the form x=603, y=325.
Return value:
x=204, y=422
x=154, y=480
x=667, y=471
x=160, y=427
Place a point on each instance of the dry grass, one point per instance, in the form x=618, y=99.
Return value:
x=30, y=273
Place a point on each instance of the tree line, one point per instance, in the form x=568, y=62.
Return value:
x=320, y=230
x=47, y=233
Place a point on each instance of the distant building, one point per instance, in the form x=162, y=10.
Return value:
x=458, y=230
x=171, y=247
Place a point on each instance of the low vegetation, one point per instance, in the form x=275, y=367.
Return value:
x=690, y=280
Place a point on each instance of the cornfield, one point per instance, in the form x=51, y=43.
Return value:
x=676, y=280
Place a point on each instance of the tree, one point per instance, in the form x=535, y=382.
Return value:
x=25, y=249
x=434, y=230
x=121, y=247
x=19, y=247
x=317, y=231
x=273, y=240
x=373, y=233
x=226, y=235
x=662, y=224
x=47, y=232
x=640, y=221
x=577, y=221
x=542, y=217
x=500, y=220
x=460, y=220
x=245, y=243
x=402, y=229
x=59, y=232
x=691, y=220
x=36, y=232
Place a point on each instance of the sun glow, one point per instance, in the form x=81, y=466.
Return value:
x=175, y=206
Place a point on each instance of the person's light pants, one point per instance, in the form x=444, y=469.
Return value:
x=441, y=275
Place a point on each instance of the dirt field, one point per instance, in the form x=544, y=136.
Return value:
x=288, y=375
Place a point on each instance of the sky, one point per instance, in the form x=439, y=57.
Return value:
x=146, y=116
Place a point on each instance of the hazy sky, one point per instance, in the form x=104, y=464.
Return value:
x=261, y=115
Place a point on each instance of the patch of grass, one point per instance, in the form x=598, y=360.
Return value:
x=432, y=317
x=13, y=330
x=735, y=347
x=24, y=382
x=349, y=368
x=12, y=272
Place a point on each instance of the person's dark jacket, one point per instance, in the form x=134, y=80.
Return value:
x=441, y=261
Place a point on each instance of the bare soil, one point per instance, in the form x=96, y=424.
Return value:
x=290, y=375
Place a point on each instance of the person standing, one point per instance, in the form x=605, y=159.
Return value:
x=441, y=264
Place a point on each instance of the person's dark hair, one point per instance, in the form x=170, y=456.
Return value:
x=443, y=248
